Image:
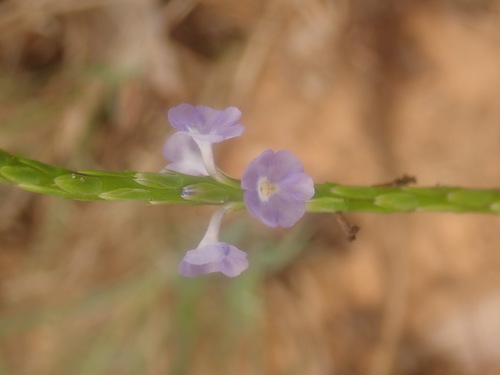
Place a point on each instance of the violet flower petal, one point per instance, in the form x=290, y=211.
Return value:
x=184, y=154
x=206, y=124
x=276, y=188
x=218, y=257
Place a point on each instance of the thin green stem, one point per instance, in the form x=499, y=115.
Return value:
x=339, y=198
x=173, y=187
x=89, y=185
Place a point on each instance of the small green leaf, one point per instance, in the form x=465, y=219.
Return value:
x=126, y=194
x=93, y=172
x=49, y=170
x=25, y=175
x=5, y=158
x=45, y=190
x=397, y=201
x=169, y=180
x=472, y=198
x=205, y=193
x=80, y=186
x=495, y=207
x=326, y=205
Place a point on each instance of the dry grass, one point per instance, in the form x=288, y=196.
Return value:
x=362, y=92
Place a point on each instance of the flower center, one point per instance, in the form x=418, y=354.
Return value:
x=265, y=189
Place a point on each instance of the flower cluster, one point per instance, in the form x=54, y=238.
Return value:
x=275, y=186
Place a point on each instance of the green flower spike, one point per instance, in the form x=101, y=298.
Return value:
x=174, y=187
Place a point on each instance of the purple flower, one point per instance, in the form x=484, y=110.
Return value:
x=206, y=124
x=184, y=154
x=218, y=257
x=276, y=188
x=212, y=255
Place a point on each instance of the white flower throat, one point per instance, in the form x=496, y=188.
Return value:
x=265, y=189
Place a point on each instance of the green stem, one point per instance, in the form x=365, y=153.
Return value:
x=90, y=185
x=340, y=198
x=173, y=187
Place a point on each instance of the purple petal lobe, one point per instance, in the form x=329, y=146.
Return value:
x=180, y=117
x=276, y=188
x=205, y=123
x=219, y=257
x=257, y=168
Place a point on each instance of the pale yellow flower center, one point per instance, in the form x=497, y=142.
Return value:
x=266, y=189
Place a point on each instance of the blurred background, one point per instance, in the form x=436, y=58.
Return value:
x=362, y=91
